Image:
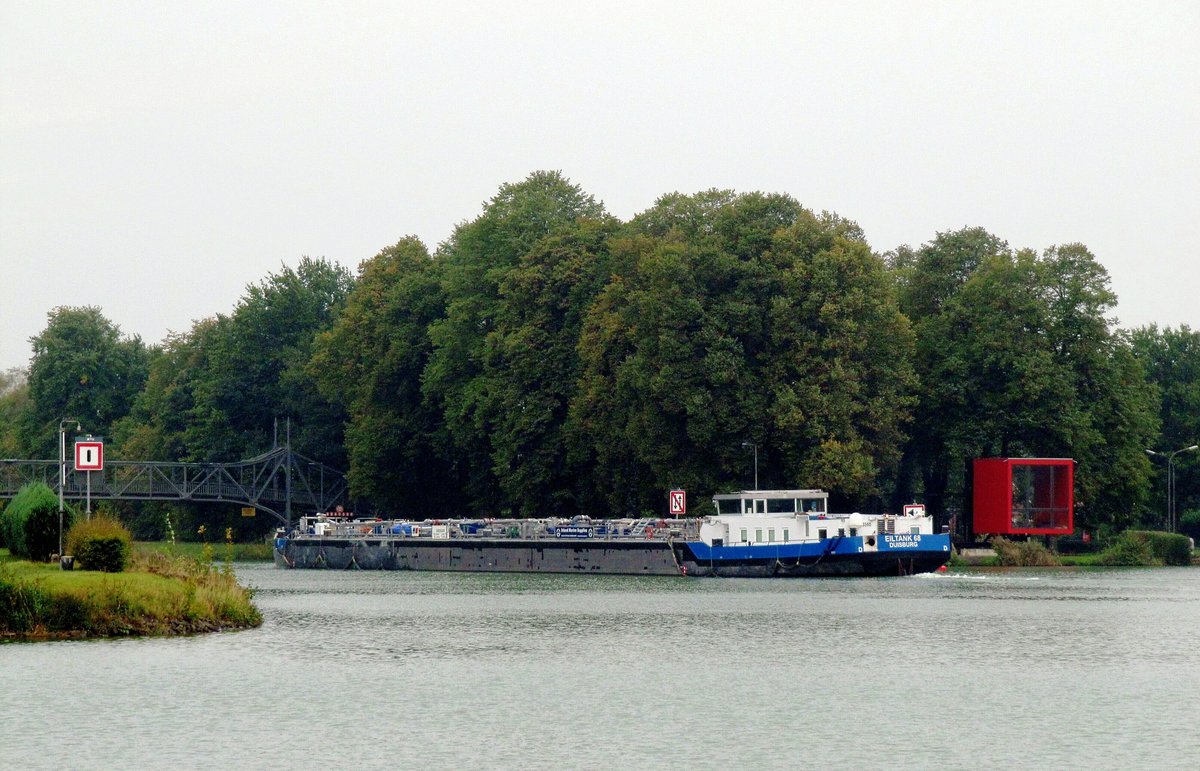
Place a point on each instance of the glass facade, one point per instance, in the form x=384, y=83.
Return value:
x=1040, y=499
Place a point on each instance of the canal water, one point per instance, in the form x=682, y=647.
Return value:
x=1019, y=669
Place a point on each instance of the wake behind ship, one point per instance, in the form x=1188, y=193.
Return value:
x=755, y=533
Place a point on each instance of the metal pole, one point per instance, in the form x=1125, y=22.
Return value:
x=1176, y=519
x=288, y=471
x=1170, y=456
x=62, y=479
x=62, y=472
x=1171, y=494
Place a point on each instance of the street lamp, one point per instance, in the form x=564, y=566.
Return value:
x=62, y=471
x=1170, y=456
x=755, y=446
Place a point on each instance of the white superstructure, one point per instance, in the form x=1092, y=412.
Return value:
x=764, y=517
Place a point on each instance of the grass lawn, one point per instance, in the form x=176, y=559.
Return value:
x=159, y=594
x=238, y=552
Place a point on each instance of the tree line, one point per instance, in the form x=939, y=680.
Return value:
x=549, y=358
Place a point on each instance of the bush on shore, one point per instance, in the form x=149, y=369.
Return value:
x=1147, y=548
x=30, y=522
x=1127, y=551
x=100, y=543
x=1023, y=553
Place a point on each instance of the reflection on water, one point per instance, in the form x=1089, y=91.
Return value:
x=419, y=670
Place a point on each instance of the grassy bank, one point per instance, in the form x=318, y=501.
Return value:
x=991, y=560
x=236, y=552
x=160, y=594
x=1099, y=559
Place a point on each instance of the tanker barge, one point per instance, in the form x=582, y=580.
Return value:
x=755, y=533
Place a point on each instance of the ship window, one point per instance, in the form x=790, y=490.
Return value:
x=781, y=506
x=758, y=535
x=743, y=535
x=821, y=534
x=760, y=506
x=914, y=530
x=785, y=535
x=853, y=531
x=771, y=535
x=729, y=507
x=841, y=532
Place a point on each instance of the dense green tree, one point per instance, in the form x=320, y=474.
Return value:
x=82, y=368
x=159, y=425
x=531, y=367
x=742, y=319
x=1118, y=412
x=475, y=262
x=1171, y=357
x=14, y=403
x=371, y=362
x=256, y=370
x=1017, y=358
x=218, y=392
x=927, y=278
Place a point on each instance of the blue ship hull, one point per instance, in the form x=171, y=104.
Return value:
x=838, y=556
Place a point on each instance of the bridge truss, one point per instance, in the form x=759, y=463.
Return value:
x=275, y=482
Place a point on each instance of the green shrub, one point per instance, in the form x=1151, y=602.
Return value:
x=36, y=502
x=100, y=543
x=41, y=532
x=1169, y=548
x=1023, y=553
x=21, y=603
x=67, y=612
x=1189, y=523
x=1131, y=549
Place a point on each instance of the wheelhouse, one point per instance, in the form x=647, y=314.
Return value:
x=766, y=502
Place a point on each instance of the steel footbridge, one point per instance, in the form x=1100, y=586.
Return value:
x=276, y=482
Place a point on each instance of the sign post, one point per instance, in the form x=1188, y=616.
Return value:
x=89, y=457
x=678, y=503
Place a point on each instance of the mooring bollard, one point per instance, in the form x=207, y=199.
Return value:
x=67, y=562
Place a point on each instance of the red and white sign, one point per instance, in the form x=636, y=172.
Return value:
x=679, y=502
x=914, y=510
x=89, y=456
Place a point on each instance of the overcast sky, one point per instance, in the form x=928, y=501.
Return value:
x=156, y=158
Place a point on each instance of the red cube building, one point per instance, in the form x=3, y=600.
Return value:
x=1024, y=496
